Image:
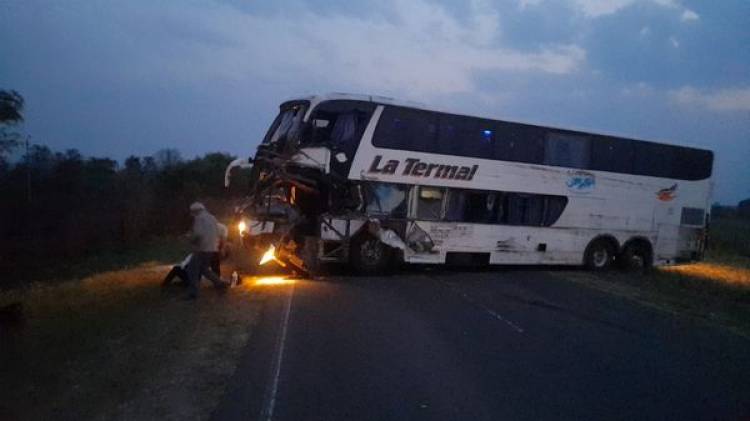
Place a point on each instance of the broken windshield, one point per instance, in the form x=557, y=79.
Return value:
x=287, y=124
x=339, y=124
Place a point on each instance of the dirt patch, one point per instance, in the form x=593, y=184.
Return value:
x=114, y=346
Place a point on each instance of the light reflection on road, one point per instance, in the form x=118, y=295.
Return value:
x=727, y=274
x=271, y=280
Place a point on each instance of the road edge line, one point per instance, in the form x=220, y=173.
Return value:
x=268, y=408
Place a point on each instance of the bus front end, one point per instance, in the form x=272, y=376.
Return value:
x=299, y=173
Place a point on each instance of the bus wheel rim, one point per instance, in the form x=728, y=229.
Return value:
x=371, y=251
x=600, y=257
x=637, y=259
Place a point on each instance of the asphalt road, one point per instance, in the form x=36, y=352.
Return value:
x=502, y=345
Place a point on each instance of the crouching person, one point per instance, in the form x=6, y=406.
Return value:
x=178, y=271
x=204, y=236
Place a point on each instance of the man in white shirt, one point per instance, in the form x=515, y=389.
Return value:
x=180, y=270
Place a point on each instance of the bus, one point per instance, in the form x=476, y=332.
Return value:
x=373, y=182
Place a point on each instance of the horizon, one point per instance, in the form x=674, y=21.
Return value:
x=117, y=80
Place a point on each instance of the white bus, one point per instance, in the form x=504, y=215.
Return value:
x=372, y=181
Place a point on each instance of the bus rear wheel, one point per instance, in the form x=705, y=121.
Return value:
x=369, y=256
x=599, y=255
x=637, y=257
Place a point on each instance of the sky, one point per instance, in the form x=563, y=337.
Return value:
x=121, y=78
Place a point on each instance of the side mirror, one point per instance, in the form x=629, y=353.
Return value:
x=341, y=157
x=239, y=162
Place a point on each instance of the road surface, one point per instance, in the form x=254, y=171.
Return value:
x=512, y=344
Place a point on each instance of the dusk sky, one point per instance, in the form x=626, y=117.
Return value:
x=131, y=77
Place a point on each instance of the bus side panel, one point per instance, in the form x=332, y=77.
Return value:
x=506, y=244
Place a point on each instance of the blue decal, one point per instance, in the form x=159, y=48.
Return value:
x=581, y=182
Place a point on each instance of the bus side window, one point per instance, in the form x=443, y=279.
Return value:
x=479, y=138
x=519, y=143
x=654, y=159
x=516, y=204
x=340, y=123
x=448, y=139
x=535, y=210
x=501, y=211
x=481, y=207
x=408, y=129
x=387, y=199
x=553, y=209
x=567, y=150
x=526, y=209
x=692, y=164
x=465, y=136
x=495, y=207
x=692, y=216
x=474, y=206
x=456, y=206
x=612, y=154
x=430, y=203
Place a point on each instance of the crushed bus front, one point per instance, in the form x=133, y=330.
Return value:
x=299, y=187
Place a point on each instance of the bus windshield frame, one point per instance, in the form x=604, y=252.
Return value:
x=288, y=124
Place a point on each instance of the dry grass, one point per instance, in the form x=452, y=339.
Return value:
x=716, y=291
x=715, y=272
x=113, y=346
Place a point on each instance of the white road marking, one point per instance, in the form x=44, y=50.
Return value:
x=486, y=309
x=268, y=408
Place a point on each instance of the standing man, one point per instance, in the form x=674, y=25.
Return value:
x=222, y=251
x=204, y=236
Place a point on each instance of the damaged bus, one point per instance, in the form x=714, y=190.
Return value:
x=371, y=181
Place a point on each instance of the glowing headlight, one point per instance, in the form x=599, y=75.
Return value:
x=242, y=227
x=269, y=255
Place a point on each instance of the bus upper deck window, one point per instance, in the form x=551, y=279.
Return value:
x=567, y=150
x=340, y=123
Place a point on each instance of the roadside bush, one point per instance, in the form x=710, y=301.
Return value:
x=730, y=236
x=78, y=206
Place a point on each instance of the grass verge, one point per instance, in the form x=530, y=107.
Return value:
x=114, y=346
x=716, y=291
x=19, y=274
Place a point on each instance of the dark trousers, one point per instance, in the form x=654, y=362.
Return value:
x=176, y=272
x=200, y=265
x=216, y=263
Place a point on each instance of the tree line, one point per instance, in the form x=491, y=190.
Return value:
x=64, y=205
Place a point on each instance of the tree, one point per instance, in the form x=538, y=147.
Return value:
x=133, y=166
x=167, y=158
x=11, y=105
x=11, y=108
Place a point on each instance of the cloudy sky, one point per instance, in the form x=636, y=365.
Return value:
x=130, y=77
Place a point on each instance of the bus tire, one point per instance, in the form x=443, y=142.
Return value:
x=599, y=255
x=310, y=256
x=369, y=256
x=637, y=256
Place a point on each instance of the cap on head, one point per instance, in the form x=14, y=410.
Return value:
x=197, y=207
